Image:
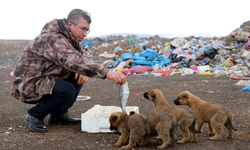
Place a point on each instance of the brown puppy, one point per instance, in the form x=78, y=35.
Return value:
x=216, y=116
x=185, y=117
x=133, y=127
x=163, y=124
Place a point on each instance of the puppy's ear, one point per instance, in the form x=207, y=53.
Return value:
x=131, y=113
x=113, y=117
x=184, y=95
x=153, y=95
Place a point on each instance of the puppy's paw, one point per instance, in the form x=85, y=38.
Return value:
x=229, y=137
x=126, y=147
x=211, y=133
x=212, y=139
x=160, y=147
x=180, y=141
x=117, y=144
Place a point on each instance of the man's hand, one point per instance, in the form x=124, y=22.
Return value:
x=118, y=77
x=81, y=78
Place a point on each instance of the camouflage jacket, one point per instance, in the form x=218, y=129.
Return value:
x=54, y=54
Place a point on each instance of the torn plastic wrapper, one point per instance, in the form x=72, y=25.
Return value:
x=124, y=94
x=83, y=98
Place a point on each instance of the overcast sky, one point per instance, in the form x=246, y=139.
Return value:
x=24, y=19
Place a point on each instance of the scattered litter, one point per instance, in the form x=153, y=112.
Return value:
x=96, y=119
x=12, y=72
x=83, y=98
x=124, y=94
x=227, y=56
x=247, y=88
x=243, y=82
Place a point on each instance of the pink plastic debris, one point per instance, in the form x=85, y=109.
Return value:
x=12, y=72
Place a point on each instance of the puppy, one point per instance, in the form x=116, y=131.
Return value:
x=133, y=128
x=163, y=124
x=216, y=116
x=185, y=117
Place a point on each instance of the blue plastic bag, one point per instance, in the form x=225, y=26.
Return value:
x=149, y=57
x=124, y=56
x=207, y=47
x=247, y=88
x=145, y=43
x=93, y=42
x=239, y=30
x=147, y=52
x=143, y=62
x=162, y=61
x=85, y=43
x=118, y=48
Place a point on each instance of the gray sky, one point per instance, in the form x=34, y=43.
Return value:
x=24, y=19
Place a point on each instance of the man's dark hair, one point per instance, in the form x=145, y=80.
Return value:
x=76, y=14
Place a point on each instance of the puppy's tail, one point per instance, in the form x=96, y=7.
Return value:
x=229, y=123
x=192, y=127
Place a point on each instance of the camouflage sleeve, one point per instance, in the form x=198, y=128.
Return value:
x=63, y=54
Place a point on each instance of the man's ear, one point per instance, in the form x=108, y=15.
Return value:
x=70, y=25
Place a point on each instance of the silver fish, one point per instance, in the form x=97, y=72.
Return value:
x=124, y=94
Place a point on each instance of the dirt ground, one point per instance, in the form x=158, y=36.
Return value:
x=15, y=134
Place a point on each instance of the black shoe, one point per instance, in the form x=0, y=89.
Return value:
x=35, y=124
x=63, y=119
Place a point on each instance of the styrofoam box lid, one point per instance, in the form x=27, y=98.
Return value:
x=96, y=119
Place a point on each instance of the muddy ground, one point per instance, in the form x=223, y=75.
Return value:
x=15, y=134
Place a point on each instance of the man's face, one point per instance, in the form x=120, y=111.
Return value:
x=77, y=32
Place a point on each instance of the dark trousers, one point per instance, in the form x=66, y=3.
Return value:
x=63, y=96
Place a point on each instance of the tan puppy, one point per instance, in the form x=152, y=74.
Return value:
x=163, y=124
x=216, y=116
x=133, y=127
x=185, y=117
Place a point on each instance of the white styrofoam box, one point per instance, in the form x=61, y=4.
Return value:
x=96, y=119
x=203, y=68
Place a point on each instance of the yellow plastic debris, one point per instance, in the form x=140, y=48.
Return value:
x=120, y=69
x=205, y=73
x=226, y=63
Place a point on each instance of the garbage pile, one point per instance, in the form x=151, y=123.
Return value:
x=219, y=56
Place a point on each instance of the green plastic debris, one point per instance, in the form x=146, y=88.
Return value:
x=226, y=63
x=137, y=42
x=130, y=41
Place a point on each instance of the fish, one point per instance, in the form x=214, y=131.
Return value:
x=124, y=94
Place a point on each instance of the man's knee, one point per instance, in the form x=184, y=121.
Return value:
x=64, y=89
